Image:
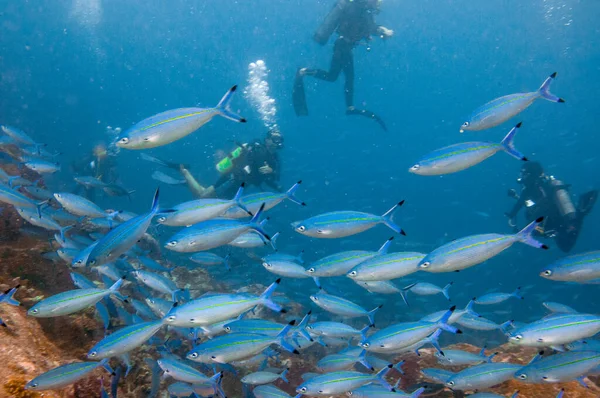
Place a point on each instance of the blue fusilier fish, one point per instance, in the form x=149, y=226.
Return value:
x=458, y=157
x=69, y=302
x=17, y=199
x=339, y=224
x=458, y=357
x=560, y=367
x=555, y=330
x=157, y=282
x=340, y=263
x=261, y=326
x=66, y=254
x=386, y=267
x=501, y=109
x=427, y=289
x=558, y=307
x=153, y=265
x=376, y=391
x=341, y=382
x=65, y=375
x=406, y=334
x=382, y=287
x=89, y=181
x=238, y=346
x=123, y=237
x=211, y=234
x=472, y=250
x=8, y=298
x=258, y=378
x=254, y=201
x=279, y=256
x=81, y=282
x=341, y=306
x=215, y=308
x=269, y=391
x=483, y=376
x=18, y=135
x=342, y=361
x=124, y=340
x=81, y=206
x=195, y=211
x=181, y=389
x=186, y=373
x=38, y=193
x=471, y=321
x=251, y=239
x=32, y=217
x=205, y=258
x=167, y=127
x=41, y=166
x=288, y=269
x=437, y=375
x=577, y=268
x=336, y=329
x=495, y=298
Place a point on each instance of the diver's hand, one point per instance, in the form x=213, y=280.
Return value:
x=385, y=32
x=266, y=169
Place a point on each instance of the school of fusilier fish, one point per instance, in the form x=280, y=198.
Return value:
x=215, y=332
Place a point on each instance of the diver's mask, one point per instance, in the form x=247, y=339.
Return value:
x=276, y=139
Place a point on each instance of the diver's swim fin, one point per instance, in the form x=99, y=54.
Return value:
x=369, y=114
x=298, y=95
x=587, y=202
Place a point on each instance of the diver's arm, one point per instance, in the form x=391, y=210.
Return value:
x=512, y=214
x=197, y=190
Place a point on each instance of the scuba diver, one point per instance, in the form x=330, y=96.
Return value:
x=354, y=21
x=100, y=163
x=253, y=163
x=547, y=196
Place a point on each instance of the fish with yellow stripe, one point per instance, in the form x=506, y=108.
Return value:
x=472, y=250
x=501, y=109
x=581, y=267
x=172, y=125
x=458, y=157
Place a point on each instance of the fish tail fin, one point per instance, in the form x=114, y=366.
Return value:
x=105, y=365
x=302, y=327
x=417, y=393
x=517, y=293
x=39, y=206
x=283, y=374
x=317, y=281
x=291, y=194
x=266, y=297
x=371, y=314
x=381, y=377
x=403, y=295
x=385, y=247
x=446, y=289
x=280, y=339
x=398, y=367
x=560, y=394
x=155, y=205
x=63, y=230
x=508, y=144
x=443, y=322
x=255, y=224
x=469, y=308
x=274, y=241
x=117, y=285
x=363, y=332
x=434, y=341
x=386, y=218
x=216, y=381
x=226, y=262
x=300, y=257
x=524, y=235
x=238, y=196
x=362, y=358
x=11, y=179
x=9, y=296
x=490, y=357
x=504, y=327
x=223, y=107
x=544, y=90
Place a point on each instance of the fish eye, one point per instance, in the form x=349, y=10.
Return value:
x=33, y=385
x=320, y=391
x=349, y=393
x=548, y=272
x=303, y=389
x=366, y=345
x=124, y=140
x=171, y=318
x=92, y=262
x=425, y=264
x=450, y=383
x=543, y=377
x=518, y=337
x=311, y=270
x=172, y=243
x=194, y=355
x=162, y=219
x=301, y=228
x=522, y=376
x=309, y=327
x=415, y=167
x=466, y=124
x=314, y=298
x=266, y=265
x=353, y=273
x=35, y=311
x=92, y=354
x=227, y=329
x=540, y=340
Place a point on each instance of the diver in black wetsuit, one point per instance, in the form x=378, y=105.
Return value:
x=546, y=196
x=354, y=21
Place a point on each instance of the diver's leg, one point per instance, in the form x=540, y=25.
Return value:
x=334, y=68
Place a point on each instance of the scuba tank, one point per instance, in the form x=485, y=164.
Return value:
x=330, y=23
x=226, y=163
x=562, y=199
